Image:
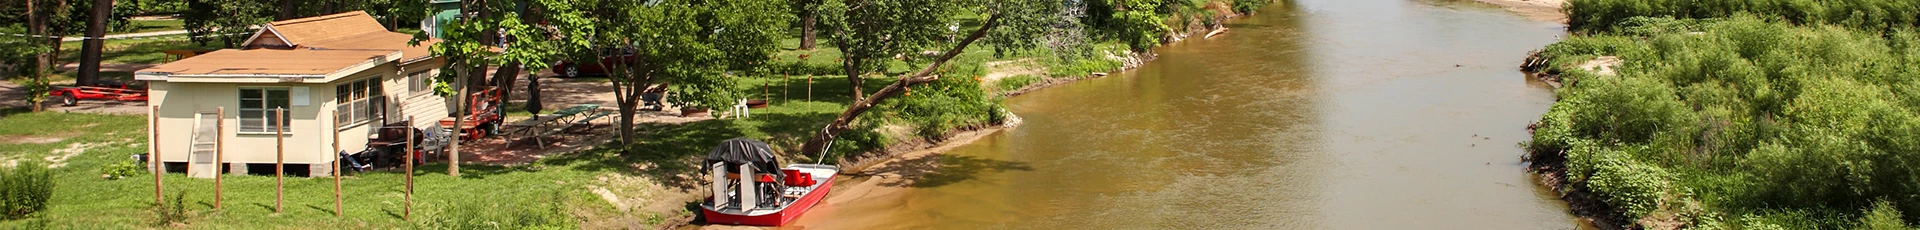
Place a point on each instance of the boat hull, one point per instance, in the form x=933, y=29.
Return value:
x=778, y=218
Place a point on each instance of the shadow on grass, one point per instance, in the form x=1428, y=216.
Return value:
x=935, y=170
x=664, y=152
x=471, y=171
x=317, y=208
x=787, y=131
x=832, y=89
x=7, y=112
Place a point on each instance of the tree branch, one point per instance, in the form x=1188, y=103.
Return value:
x=816, y=144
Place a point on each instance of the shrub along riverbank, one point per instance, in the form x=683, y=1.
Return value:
x=1745, y=122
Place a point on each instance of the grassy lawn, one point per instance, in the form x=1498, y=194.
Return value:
x=141, y=26
x=84, y=200
x=135, y=51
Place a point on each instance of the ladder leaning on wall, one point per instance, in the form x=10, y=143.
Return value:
x=205, y=139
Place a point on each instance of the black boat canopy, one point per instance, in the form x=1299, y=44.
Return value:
x=742, y=151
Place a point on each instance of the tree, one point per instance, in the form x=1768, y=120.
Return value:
x=806, y=10
x=563, y=30
x=207, y=20
x=679, y=41
x=90, y=48
x=41, y=15
x=868, y=32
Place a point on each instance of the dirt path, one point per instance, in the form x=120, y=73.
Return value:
x=1542, y=10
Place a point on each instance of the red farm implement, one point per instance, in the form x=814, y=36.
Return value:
x=483, y=116
x=71, y=96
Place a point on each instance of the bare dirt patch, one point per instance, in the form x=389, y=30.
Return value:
x=37, y=138
x=1602, y=65
x=60, y=156
x=997, y=70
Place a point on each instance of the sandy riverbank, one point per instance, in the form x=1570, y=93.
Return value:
x=1542, y=10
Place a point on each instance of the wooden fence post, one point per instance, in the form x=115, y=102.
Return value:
x=219, y=148
x=337, y=211
x=785, y=89
x=280, y=158
x=809, y=87
x=153, y=158
x=408, y=213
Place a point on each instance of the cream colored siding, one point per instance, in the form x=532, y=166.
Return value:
x=180, y=101
x=425, y=107
x=309, y=138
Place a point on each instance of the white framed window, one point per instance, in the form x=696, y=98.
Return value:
x=358, y=101
x=419, y=83
x=257, y=109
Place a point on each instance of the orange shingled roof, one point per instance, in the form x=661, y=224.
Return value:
x=269, y=62
x=326, y=27
x=381, y=41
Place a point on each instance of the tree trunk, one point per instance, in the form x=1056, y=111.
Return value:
x=817, y=144
x=851, y=65
x=54, y=59
x=328, y=7
x=90, y=48
x=806, y=29
x=459, y=122
x=628, y=84
x=35, y=26
x=505, y=77
x=287, y=10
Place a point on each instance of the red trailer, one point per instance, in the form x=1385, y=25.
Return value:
x=71, y=96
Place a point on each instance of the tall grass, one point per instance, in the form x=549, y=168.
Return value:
x=1742, y=122
x=1875, y=15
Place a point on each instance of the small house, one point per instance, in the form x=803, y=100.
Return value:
x=341, y=72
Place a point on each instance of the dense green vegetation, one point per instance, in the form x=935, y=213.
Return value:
x=1741, y=122
x=1602, y=15
x=24, y=190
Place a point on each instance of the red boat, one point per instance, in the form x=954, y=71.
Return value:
x=767, y=196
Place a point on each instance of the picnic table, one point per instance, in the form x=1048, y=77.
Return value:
x=541, y=125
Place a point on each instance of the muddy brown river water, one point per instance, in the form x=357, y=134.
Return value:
x=1323, y=114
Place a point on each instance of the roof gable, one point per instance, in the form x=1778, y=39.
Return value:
x=297, y=32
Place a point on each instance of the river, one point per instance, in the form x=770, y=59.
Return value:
x=1322, y=114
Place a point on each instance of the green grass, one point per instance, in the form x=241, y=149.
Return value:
x=83, y=200
x=141, y=26
x=1015, y=82
x=135, y=51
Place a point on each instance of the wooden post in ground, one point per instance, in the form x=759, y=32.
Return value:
x=219, y=147
x=809, y=87
x=280, y=158
x=153, y=158
x=408, y=213
x=785, y=90
x=336, y=169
